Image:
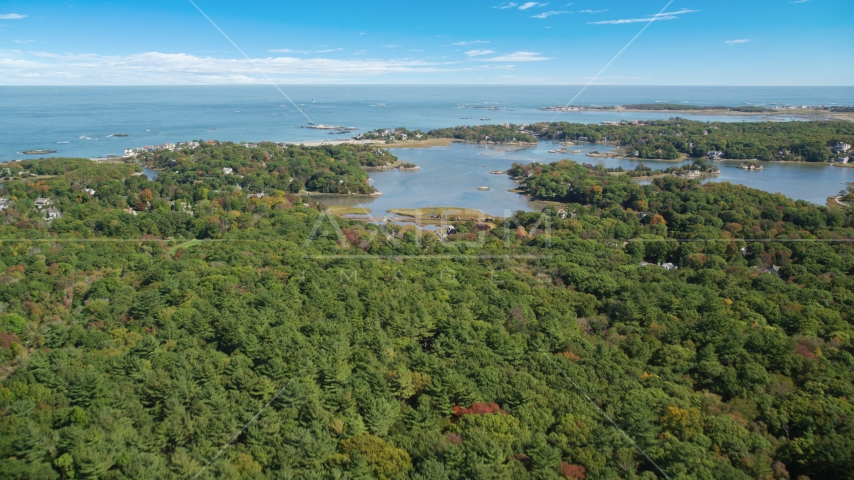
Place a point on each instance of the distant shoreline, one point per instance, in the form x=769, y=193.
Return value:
x=807, y=114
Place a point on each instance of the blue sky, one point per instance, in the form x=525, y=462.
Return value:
x=691, y=42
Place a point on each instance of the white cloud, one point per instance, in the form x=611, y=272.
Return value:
x=473, y=42
x=519, y=57
x=548, y=14
x=329, y=50
x=528, y=5
x=24, y=41
x=476, y=53
x=390, y=46
x=800, y=1
x=506, y=6
x=11, y=16
x=593, y=11
x=288, y=50
x=737, y=42
x=680, y=12
x=154, y=68
x=651, y=18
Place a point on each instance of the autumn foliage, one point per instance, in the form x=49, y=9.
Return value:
x=478, y=409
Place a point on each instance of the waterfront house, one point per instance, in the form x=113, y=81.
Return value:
x=842, y=147
x=42, y=202
x=129, y=152
x=52, y=213
x=690, y=174
x=715, y=154
x=844, y=159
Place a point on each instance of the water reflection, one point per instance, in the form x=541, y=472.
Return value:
x=451, y=176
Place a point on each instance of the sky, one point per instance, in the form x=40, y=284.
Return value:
x=606, y=42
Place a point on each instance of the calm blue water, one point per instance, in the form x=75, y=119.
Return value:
x=450, y=176
x=77, y=121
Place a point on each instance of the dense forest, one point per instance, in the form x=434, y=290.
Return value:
x=669, y=139
x=268, y=166
x=671, y=330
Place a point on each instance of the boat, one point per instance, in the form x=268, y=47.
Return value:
x=483, y=189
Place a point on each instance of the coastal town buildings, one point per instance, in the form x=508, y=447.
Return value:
x=52, y=213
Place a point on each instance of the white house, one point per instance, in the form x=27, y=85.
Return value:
x=129, y=152
x=669, y=266
x=42, y=202
x=715, y=154
x=227, y=171
x=52, y=213
x=90, y=191
x=842, y=147
x=4, y=203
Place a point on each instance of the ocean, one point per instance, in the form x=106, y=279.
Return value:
x=82, y=121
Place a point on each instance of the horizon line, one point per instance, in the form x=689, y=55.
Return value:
x=421, y=85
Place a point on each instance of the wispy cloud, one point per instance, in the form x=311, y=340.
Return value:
x=390, y=46
x=650, y=18
x=521, y=56
x=528, y=5
x=472, y=42
x=476, y=53
x=549, y=14
x=800, y=1
x=329, y=50
x=11, y=16
x=737, y=42
x=593, y=11
x=288, y=50
x=505, y=6
x=24, y=41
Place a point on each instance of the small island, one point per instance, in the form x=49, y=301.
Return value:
x=751, y=166
x=408, y=167
x=39, y=152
